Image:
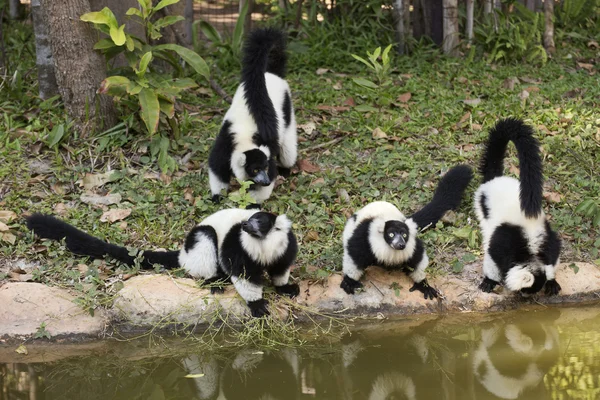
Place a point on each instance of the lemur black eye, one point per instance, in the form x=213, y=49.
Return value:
x=255, y=171
x=391, y=234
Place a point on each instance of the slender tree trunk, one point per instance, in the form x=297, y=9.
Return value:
x=469, y=28
x=549, y=28
x=539, y=6
x=451, y=37
x=530, y=4
x=43, y=52
x=400, y=30
x=248, y=20
x=79, y=68
x=14, y=9
x=487, y=6
x=436, y=10
x=298, y=19
x=417, y=19
x=407, y=25
x=189, y=20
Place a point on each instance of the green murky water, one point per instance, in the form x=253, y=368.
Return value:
x=550, y=354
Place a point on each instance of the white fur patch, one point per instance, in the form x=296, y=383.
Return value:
x=281, y=280
x=201, y=261
x=490, y=269
x=216, y=184
x=418, y=275
x=248, y=290
x=223, y=220
x=350, y=268
x=519, y=342
x=379, y=209
x=392, y=382
x=550, y=270
x=518, y=277
x=208, y=383
x=262, y=193
x=268, y=249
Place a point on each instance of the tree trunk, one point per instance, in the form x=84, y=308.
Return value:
x=469, y=27
x=539, y=6
x=248, y=20
x=43, y=52
x=189, y=20
x=407, y=25
x=298, y=18
x=549, y=28
x=79, y=68
x=451, y=37
x=436, y=13
x=14, y=9
x=400, y=30
x=487, y=6
x=530, y=4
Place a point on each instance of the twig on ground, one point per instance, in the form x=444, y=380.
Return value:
x=326, y=144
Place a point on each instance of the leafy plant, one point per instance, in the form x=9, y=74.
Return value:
x=574, y=12
x=590, y=209
x=381, y=70
x=231, y=46
x=42, y=332
x=242, y=196
x=141, y=88
x=515, y=38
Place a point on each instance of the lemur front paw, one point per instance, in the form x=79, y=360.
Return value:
x=552, y=287
x=217, y=198
x=284, y=172
x=253, y=206
x=350, y=285
x=258, y=308
x=423, y=287
x=487, y=285
x=292, y=290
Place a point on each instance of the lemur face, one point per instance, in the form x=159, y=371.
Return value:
x=259, y=225
x=539, y=279
x=257, y=167
x=396, y=234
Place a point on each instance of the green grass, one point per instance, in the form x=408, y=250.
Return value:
x=427, y=135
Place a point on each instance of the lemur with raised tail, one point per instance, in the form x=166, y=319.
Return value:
x=379, y=234
x=521, y=249
x=259, y=128
x=234, y=243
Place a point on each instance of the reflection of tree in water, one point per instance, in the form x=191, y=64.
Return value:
x=576, y=375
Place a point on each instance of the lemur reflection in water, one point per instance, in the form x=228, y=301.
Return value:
x=512, y=358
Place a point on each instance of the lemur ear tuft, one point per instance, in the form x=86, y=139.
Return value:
x=283, y=222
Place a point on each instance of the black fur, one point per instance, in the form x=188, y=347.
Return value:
x=530, y=162
x=359, y=246
x=509, y=246
x=264, y=51
x=79, y=242
x=219, y=159
x=192, y=239
x=487, y=285
x=484, y=208
x=447, y=196
x=287, y=109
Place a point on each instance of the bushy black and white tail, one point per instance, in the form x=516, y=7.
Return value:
x=447, y=196
x=264, y=51
x=79, y=242
x=530, y=162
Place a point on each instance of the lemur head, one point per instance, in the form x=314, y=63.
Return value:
x=256, y=165
x=263, y=225
x=395, y=234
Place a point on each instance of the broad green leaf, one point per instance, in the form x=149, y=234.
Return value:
x=596, y=221
x=56, y=135
x=134, y=89
x=117, y=34
x=238, y=32
x=168, y=20
x=185, y=83
x=376, y=53
x=584, y=205
x=365, y=83
x=209, y=31
x=166, y=107
x=129, y=43
x=103, y=44
x=190, y=56
x=385, y=57
x=134, y=11
x=97, y=17
x=365, y=108
x=457, y=266
x=362, y=60
x=115, y=86
x=145, y=60
x=150, y=109
x=164, y=3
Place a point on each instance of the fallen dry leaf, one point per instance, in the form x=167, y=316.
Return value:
x=3, y=227
x=593, y=44
x=307, y=166
x=509, y=83
x=325, y=107
x=378, y=133
x=514, y=170
x=123, y=225
x=60, y=208
x=532, y=89
x=406, y=76
x=308, y=128
x=9, y=238
x=463, y=119
x=115, y=214
x=462, y=79
x=343, y=195
x=6, y=216
x=311, y=236
x=476, y=127
x=404, y=98
x=22, y=349
x=337, y=85
x=166, y=179
x=83, y=268
x=98, y=200
x=524, y=95
x=188, y=195
x=350, y=102
x=91, y=181
x=552, y=197
x=586, y=66
x=318, y=181
x=321, y=71
x=472, y=102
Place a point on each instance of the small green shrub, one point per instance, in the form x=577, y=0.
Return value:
x=141, y=88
